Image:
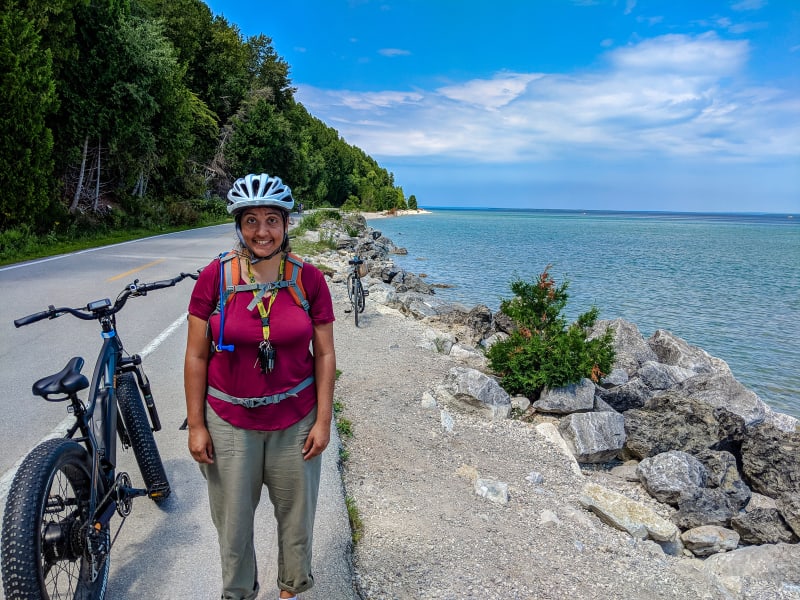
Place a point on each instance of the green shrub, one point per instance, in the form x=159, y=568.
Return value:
x=544, y=350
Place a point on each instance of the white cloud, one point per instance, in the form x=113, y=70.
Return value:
x=705, y=54
x=668, y=96
x=393, y=52
x=491, y=93
x=749, y=5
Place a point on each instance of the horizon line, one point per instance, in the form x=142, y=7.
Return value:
x=612, y=210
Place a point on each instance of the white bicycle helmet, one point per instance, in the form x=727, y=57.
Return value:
x=259, y=190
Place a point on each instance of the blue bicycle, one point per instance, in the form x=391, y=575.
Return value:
x=56, y=536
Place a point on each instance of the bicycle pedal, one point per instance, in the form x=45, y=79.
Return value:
x=158, y=490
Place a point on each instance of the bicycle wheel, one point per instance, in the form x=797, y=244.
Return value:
x=353, y=283
x=134, y=416
x=46, y=549
x=360, y=300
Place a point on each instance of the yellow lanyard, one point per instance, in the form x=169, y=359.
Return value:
x=264, y=312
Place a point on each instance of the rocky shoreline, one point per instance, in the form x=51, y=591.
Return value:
x=681, y=473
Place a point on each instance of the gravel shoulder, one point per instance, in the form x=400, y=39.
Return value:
x=426, y=533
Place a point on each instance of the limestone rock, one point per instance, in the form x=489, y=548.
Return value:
x=672, y=350
x=631, y=349
x=762, y=526
x=632, y=394
x=671, y=421
x=658, y=376
x=617, y=377
x=672, y=476
x=572, y=398
x=706, y=506
x=709, y=539
x=775, y=563
x=594, y=437
x=550, y=432
x=628, y=515
x=478, y=391
x=789, y=507
x=721, y=390
x=771, y=461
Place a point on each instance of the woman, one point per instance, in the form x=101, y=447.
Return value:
x=259, y=376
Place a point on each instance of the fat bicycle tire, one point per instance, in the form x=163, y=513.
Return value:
x=44, y=541
x=140, y=434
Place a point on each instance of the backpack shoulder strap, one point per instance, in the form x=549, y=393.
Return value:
x=293, y=275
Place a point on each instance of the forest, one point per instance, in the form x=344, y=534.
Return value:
x=141, y=113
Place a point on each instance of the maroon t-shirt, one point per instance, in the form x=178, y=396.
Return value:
x=237, y=373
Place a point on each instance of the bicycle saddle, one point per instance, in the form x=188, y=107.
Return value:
x=68, y=380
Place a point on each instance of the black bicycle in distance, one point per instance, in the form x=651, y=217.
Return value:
x=355, y=289
x=56, y=537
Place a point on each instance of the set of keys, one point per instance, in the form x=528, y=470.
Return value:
x=266, y=357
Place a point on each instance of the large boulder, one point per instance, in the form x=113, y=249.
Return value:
x=630, y=348
x=672, y=350
x=672, y=421
x=658, y=376
x=478, y=390
x=418, y=305
x=672, y=476
x=771, y=460
x=626, y=396
x=594, y=437
x=725, y=495
x=709, y=539
x=721, y=390
x=576, y=397
x=723, y=474
x=771, y=564
x=789, y=506
x=637, y=519
x=405, y=281
x=705, y=506
x=762, y=526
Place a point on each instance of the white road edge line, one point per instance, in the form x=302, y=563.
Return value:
x=61, y=428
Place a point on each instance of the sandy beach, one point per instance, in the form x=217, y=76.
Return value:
x=398, y=213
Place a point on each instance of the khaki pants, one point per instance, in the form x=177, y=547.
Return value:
x=245, y=461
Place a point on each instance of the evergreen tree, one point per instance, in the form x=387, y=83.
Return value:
x=28, y=97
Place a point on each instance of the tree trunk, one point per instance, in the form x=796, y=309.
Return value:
x=96, y=201
x=79, y=187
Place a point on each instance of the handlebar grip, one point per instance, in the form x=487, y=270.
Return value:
x=45, y=314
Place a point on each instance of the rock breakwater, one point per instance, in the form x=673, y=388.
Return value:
x=675, y=451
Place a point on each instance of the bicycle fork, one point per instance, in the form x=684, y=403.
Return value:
x=134, y=364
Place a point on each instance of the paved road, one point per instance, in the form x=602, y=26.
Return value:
x=162, y=551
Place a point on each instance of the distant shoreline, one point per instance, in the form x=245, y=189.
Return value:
x=397, y=213
x=786, y=219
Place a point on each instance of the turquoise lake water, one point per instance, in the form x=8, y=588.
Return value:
x=729, y=284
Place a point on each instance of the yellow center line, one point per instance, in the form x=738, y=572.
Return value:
x=136, y=270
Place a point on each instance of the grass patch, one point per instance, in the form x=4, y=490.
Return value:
x=356, y=525
x=21, y=244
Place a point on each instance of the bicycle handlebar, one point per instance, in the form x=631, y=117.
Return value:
x=99, y=308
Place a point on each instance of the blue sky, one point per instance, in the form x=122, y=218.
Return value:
x=682, y=105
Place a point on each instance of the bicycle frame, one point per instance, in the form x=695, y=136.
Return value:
x=99, y=422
